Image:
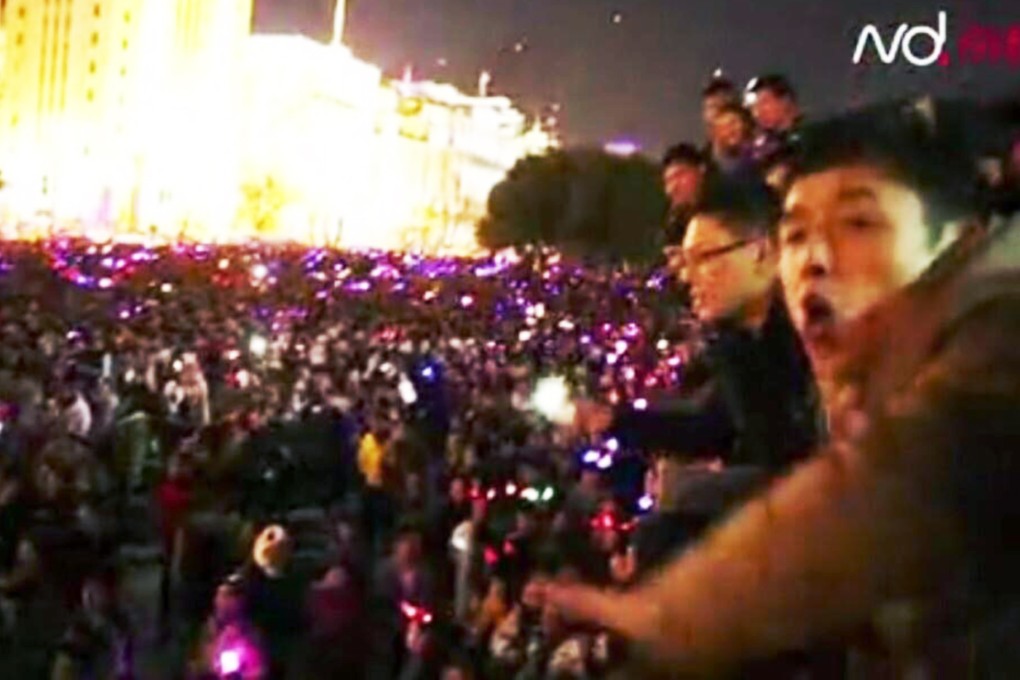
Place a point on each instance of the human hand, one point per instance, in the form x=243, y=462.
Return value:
x=591, y=418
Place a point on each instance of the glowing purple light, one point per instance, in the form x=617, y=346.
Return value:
x=467, y=301
x=590, y=456
x=640, y=404
x=604, y=463
x=645, y=503
x=612, y=444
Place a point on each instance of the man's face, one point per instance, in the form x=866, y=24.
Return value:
x=850, y=237
x=771, y=111
x=721, y=284
x=729, y=130
x=710, y=107
x=682, y=182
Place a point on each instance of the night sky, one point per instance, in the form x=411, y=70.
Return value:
x=638, y=77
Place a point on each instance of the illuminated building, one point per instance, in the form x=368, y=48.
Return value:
x=169, y=116
x=108, y=103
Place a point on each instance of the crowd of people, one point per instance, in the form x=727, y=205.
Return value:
x=382, y=465
x=366, y=405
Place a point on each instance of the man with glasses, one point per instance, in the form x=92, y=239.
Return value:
x=748, y=399
x=747, y=408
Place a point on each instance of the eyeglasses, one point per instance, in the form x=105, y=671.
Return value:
x=681, y=259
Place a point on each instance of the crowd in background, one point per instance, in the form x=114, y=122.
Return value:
x=337, y=455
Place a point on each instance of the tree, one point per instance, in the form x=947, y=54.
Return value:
x=585, y=202
x=262, y=202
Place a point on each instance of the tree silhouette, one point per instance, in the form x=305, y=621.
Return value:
x=586, y=202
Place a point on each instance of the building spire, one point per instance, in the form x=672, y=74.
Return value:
x=339, y=19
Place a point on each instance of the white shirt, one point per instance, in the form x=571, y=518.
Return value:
x=78, y=417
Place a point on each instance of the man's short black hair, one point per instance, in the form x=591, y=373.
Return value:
x=684, y=153
x=931, y=147
x=749, y=209
x=776, y=83
x=719, y=85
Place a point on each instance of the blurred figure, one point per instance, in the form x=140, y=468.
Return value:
x=719, y=93
x=275, y=597
x=231, y=646
x=731, y=139
x=336, y=626
x=401, y=579
x=773, y=103
x=99, y=642
x=683, y=174
x=76, y=412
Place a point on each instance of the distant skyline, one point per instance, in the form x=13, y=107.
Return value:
x=633, y=69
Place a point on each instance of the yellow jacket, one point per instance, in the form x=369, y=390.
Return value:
x=370, y=460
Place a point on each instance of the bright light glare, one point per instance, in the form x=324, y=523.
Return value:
x=407, y=392
x=230, y=661
x=551, y=399
x=258, y=345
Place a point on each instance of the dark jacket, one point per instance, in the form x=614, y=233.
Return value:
x=913, y=504
x=757, y=404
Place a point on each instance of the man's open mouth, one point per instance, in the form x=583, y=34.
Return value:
x=819, y=315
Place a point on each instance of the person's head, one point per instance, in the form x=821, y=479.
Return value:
x=458, y=490
x=731, y=129
x=719, y=93
x=876, y=197
x=683, y=170
x=773, y=102
x=458, y=670
x=726, y=258
x=407, y=548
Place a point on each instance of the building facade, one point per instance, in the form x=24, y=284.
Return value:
x=107, y=104
x=169, y=117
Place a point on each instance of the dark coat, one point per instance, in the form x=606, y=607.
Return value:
x=756, y=404
x=913, y=502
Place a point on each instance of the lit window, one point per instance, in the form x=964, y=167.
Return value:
x=127, y=17
x=95, y=39
x=96, y=11
x=21, y=12
x=124, y=44
x=92, y=67
x=90, y=96
x=20, y=40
